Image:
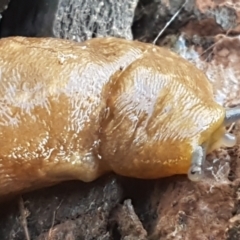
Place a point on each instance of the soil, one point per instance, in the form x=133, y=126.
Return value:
x=114, y=207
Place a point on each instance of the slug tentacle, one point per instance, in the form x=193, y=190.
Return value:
x=232, y=115
x=228, y=140
x=195, y=172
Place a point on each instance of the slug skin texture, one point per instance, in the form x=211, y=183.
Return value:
x=78, y=110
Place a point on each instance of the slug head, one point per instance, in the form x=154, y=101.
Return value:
x=220, y=137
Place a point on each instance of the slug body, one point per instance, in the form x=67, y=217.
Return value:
x=78, y=110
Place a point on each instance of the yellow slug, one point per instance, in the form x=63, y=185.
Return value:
x=79, y=110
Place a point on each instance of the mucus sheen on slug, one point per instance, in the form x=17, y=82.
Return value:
x=54, y=95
